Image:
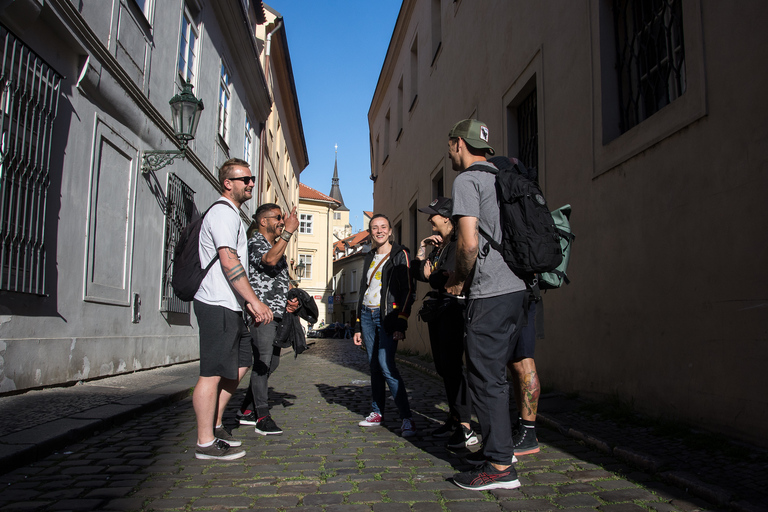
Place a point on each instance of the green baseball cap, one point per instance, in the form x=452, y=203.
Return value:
x=474, y=133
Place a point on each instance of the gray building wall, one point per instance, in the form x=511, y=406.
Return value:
x=105, y=219
x=666, y=306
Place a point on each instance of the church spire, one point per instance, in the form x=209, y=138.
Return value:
x=335, y=190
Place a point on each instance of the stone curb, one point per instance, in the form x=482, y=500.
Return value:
x=26, y=446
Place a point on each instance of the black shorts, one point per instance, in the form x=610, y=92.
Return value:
x=526, y=343
x=222, y=331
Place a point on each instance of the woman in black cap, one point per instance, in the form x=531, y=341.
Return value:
x=444, y=315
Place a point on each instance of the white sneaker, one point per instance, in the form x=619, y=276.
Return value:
x=372, y=420
x=407, y=429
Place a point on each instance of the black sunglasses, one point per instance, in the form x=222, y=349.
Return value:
x=244, y=179
x=278, y=217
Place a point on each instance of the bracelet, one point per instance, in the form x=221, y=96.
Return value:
x=286, y=235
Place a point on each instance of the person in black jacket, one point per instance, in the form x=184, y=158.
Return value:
x=386, y=296
x=444, y=315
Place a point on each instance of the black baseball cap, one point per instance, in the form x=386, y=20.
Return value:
x=441, y=206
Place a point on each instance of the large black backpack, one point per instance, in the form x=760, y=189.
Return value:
x=187, y=271
x=530, y=241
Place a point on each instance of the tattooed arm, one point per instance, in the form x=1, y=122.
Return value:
x=235, y=274
x=467, y=243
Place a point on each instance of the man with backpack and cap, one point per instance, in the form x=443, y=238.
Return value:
x=495, y=298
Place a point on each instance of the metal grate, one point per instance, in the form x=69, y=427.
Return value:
x=651, y=57
x=528, y=131
x=29, y=98
x=178, y=213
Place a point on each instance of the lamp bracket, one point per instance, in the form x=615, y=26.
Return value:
x=153, y=161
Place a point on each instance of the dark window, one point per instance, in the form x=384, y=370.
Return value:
x=180, y=204
x=650, y=57
x=528, y=131
x=29, y=97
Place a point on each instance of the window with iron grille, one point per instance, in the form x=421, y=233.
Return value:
x=29, y=100
x=179, y=206
x=528, y=131
x=650, y=57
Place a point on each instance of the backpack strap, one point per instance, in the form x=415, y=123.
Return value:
x=216, y=257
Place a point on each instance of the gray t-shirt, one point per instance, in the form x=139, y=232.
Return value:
x=474, y=195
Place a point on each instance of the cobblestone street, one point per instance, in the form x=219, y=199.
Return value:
x=323, y=461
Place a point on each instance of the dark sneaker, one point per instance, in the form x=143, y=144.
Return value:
x=446, y=429
x=221, y=433
x=266, y=426
x=219, y=450
x=525, y=441
x=407, y=429
x=478, y=458
x=372, y=420
x=462, y=438
x=248, y=418
x=487, y=477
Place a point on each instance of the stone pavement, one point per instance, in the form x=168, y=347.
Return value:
x=323, y=461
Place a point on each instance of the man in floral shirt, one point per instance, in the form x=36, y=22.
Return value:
x=268, y=271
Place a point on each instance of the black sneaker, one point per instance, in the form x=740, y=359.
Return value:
x=487, y=477
x=463, y=437
x=221, y=433
x=478, y=458
x=446, y=429
x=219, y=450
x=248, y=418
x=525, y=441
x=266, y=426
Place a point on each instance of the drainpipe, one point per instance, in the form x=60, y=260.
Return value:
x=263, y=143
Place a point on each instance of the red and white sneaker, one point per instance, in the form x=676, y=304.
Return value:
x=373, y=420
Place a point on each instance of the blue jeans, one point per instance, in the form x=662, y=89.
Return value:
x=381, y=350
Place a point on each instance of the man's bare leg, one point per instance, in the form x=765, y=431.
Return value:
x=227, y=389
x=204, y=400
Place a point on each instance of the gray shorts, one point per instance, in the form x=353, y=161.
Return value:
x=222, y=331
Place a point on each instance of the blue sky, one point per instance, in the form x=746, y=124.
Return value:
x=337, y=49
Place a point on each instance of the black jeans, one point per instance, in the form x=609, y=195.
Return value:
x=446, y=337
x=492, y=332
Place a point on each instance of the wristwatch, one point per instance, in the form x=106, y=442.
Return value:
x=286, y=235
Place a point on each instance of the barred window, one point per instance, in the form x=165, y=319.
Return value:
x=650, y=57
x=528, y=131
x=179, y=205
x=29, y=97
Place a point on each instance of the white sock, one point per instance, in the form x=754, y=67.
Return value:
x=205, y=445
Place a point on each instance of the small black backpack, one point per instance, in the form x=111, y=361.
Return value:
x=530, y=241
x=187, y=271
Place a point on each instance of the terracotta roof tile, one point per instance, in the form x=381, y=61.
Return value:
x=307, y=192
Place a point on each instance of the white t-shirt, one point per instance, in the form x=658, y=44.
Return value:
x=372, y=297
x=222, y=227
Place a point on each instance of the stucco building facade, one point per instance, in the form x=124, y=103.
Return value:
x=645, y=122
x=315, y=236
x=86, y=289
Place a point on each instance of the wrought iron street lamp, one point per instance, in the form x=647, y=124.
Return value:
x=185, y=114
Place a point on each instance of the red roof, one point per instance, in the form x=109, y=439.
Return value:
x=307, y=192
x=352, y=241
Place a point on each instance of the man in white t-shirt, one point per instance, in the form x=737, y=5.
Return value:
x=218, y=305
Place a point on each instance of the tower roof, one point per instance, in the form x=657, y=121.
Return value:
x=335, y=190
